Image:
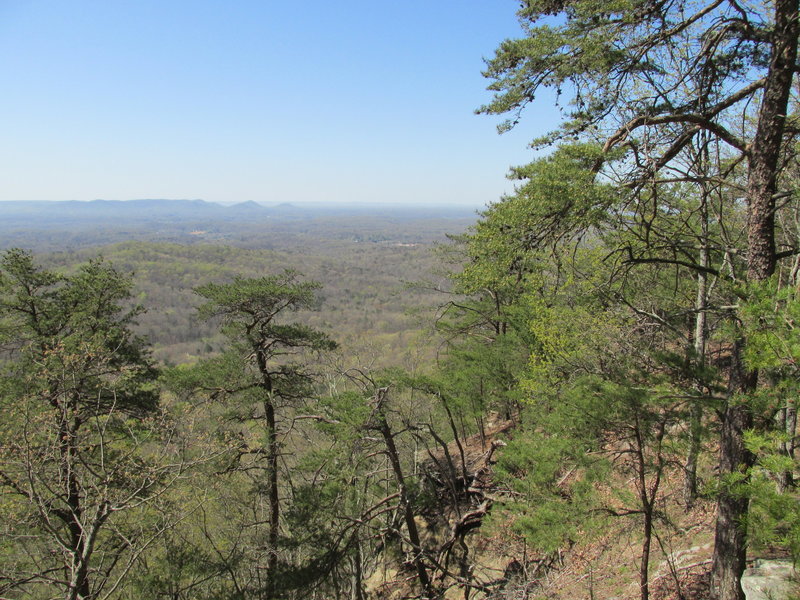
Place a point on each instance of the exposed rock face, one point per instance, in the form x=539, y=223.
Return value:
x=770, y=580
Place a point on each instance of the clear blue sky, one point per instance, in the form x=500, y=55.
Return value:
x=306, y=101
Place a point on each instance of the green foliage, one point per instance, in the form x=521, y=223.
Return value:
x=770, y=318
x=596, y=287
x=559, y=202
x=256, y=385
x=551, y=471
x=75, y=324
x=774, y=518
x=618, y=61
x=82, y=457
x=364, y=294
x=263, y=348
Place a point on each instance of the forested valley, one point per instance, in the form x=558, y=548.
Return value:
x=587, y=391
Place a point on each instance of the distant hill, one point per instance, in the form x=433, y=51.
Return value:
x=248, y=206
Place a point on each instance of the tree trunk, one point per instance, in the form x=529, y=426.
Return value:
x=644, y=567
x=405, y=502
x=690, y=473
x=699, y=348
x=273, y=499
x=731, y=540
x=459, y=445
x=79, y=588
x=787, y=422
x=647, y=495
x=357, y=592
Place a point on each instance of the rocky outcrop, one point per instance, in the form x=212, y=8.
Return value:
x=770, y=580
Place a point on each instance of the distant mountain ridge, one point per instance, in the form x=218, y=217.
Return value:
x=196, y=207
x=144, y=209
x=54, y=225
x=116, y=205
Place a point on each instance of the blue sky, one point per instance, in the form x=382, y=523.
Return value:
x=311, y=101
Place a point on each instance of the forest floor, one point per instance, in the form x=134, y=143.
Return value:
x=598, y=566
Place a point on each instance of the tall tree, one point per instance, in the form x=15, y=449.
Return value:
x=261, y=376
x=649, y=76
x=78, y=401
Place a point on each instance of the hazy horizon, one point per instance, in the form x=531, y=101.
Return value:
x=298, y=204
